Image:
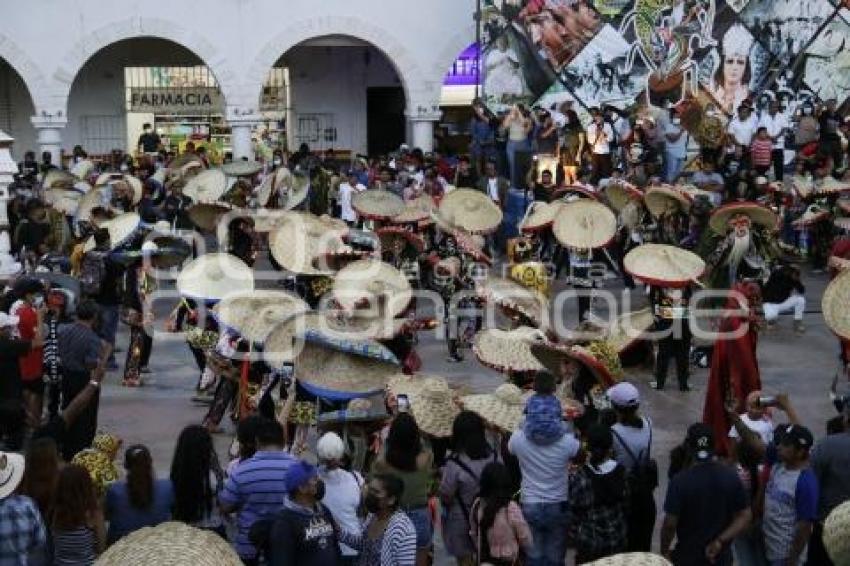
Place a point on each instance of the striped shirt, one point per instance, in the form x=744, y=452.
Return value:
x=76, y=547
x=79, y=347
x=395, y=547
x=257, y=488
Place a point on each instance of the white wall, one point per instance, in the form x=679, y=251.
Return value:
x=16, y=109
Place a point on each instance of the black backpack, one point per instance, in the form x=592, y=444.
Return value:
x=643, y=476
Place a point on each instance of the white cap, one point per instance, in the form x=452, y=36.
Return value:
x=624, y=395
x=330, y=447
x=7, y=320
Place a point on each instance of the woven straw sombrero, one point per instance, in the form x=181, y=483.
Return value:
x=268, y=219
x=135, y=184
x=242, y=168
x=431, y=402
x=213, y=276
x=97, y=197
x=377, y=204
x=171, y=251
x=391, y=235
x=472, y=245
x=170, y=544
x=301, y=238
x=628, y=328
x=82, y=169
x=184, y=159
x=296, y=193
x=842, y=223
x=515, y=297
x=658, y=198
x=207, y=215
x=66, y=202
x=763, y=216
x=253, y=314
x=619, y=194
x=836, y=534
x=540, y=216
x=373, y=284
x=280, y=181
x=121, y=228
x=574, y=191
x=551, y=355
x=831, y=185
x=470, y=210
x=632, y=559
x=502, y=408
x=206, y=186
x=663, y=265
x=585, y=224
x=417, y=210
x=508, y=351
x=803, y=185
x=812, y=215
x=834, y=304
x=58, y=179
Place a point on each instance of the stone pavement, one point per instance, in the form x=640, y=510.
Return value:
x=802, y=366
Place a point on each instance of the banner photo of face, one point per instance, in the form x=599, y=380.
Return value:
x=785, y=27
x=826, y=67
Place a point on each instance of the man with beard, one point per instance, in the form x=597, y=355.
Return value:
x=746, y=250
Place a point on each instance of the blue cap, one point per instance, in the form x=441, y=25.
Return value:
x=298, y=474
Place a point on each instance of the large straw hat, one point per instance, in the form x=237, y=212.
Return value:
x=803, y=185
x=11, y=473
x=632, y=559
x=620, y=193
x=121, y=228
x=207, y=215
x=472, y=245
x=301, y=238
x=572, y=192
x=416, y=210
x=377, y=204
x=628, y=328
x=831, y=185
x=66, y=202
x=514, y=297
x=82, y=169
x=181, y=161
x=373, y=282
x=206, y=186
x=836, y=534
x=812, y=215
x=170, y=544
x=135, y=184
x=296, y=193
x=502, y=408
x=835, y=302
x=331, y=368
x=93, y=199
x=585, y=224
x=253, y=314
x=551, y=355
x=281, y=180
x=58, y=179
x=391, y=236
x=540, y=216
x=242, y=168
x=268, y=219
x=470, y=210
x=431, y=402
x=213, y=276
x=658, y=198
x=761, y=215
x=663, y=265
x=508, y=351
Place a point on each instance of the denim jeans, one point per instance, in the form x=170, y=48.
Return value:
x=672, y=167
x=109, y=325
x=548, y=523
x=514, y=147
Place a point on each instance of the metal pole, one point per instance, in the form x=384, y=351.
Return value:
x=478, y=52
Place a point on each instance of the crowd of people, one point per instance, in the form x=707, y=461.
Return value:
x=559, y=457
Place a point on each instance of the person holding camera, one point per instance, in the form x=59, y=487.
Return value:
x=784, y=292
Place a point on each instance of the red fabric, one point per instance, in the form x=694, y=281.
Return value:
x=30, y=364
x=734, y=374
x=760, y=152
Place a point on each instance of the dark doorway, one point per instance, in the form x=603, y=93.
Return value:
x=385, y=125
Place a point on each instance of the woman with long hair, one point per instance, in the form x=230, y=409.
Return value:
x=406, y=458
x=730, y=84
x=571, y=147
x=77, y=526
x=41, y=473
x=459, y=485
x=196, y=478
x=497, y=525
x=139, y=501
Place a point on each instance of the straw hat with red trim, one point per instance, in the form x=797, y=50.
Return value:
x=207, y=215
x=301, y=238
x=813, y=214
x=470, y=210
x=432, y=402
x=416, y=211
x=763, y=216
x=213, y=276
x=206, y=186
x=659, y=197
x=372, y=284
x=508, y=351
x=514, y=297
x=58, y=179
x=253, y=314
x=803, y=185
x=472, y=245
x=242, y=168
x=377, y=204
x=831, y=185
x=585, y=224
x=572, y=191
x=121, y=229
x=663, y=265
x=552, y=355
x=540, y=216
x=835, y=305
x=503, y=408
x=620, y=193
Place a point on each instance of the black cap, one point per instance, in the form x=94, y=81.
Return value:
x=797, y=436
x=700, y=441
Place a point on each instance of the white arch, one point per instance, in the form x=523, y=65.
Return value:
x=141, y=27
x=29, y=71
x=415, y=83
x=452, y=47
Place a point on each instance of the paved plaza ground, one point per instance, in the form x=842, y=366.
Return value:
x=803, y=366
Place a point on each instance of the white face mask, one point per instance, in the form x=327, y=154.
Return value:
x=276, y=162
x=38, y=301
x=123, y=168
x=677, y=121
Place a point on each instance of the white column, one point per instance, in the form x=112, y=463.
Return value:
x=422, y=129
x=8, y=167
x=241, y=121
x=49, y=128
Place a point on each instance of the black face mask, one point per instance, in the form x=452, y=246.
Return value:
x=372, y=503
x=320, y=490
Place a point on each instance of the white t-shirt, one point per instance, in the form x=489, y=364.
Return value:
x=775, y=125
x=600, y=141
x=742, y=132
x=544, y=468
x=763, y=427
x=346, y=196
x=493, y=189
x=342, y=498
x=678, y=148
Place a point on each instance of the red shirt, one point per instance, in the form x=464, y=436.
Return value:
x=30, y=364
